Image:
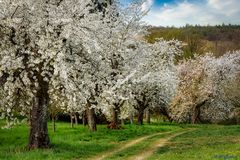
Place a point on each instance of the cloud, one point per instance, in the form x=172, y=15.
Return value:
x=147, y=5
x=202, y=12
x=227, y=7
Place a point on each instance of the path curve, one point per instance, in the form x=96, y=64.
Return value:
x=109, y=153
x=156, y=145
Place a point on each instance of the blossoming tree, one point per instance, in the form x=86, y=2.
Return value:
x=106, y=61
x=41, y=43
x=155, y=82
x=201, y=95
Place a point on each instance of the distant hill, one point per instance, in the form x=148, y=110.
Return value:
x=200, y=39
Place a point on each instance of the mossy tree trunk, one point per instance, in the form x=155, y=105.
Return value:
x=115, y=112
x=140, y=116
x=91, y=118
x=141, y=106
x=38, y=137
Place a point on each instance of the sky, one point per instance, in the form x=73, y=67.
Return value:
x=195, y=12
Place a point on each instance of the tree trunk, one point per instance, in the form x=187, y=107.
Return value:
x=195, y=116
x=114, y=116
x=71, y=118
x=196, y=112
x=142, y=105
x=122, y=122
x=76, y=118
x=140, y=117
x=91, y=118
x=165, y=113
x=114, y=122
x=38, y=137
x=131, y=119
x=148, y=116
x=84, y=118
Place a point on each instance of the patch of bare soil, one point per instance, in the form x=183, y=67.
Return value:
x=124, y=146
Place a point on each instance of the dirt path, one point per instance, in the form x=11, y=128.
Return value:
x=150, y=151
x=124, y=146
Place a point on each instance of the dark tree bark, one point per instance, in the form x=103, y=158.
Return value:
x=165, y=113
x=148, y=118
x=141, y=106
x=114, y=116
x=38, y=137
x=114, y=122
x=3, y=79
x=196, y=113
x=140, y=116
x=91, y=117
x=84, y=118
x=115, y=111
x=195, y=117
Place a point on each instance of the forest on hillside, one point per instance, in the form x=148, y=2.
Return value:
x=200, y=39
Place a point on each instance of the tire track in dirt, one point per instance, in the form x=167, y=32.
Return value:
x=148, y=152
x=131, y=143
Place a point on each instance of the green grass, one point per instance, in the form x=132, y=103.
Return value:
x=136, y=149
x=208, y=142
x=141, y=146
x=72, y=143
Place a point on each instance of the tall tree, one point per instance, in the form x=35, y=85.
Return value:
x=38, y=51
x=156, y=80
x=105, y=61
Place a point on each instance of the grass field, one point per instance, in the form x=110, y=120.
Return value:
x=204, y=142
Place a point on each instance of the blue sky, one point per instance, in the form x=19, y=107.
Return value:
x=181, y=12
